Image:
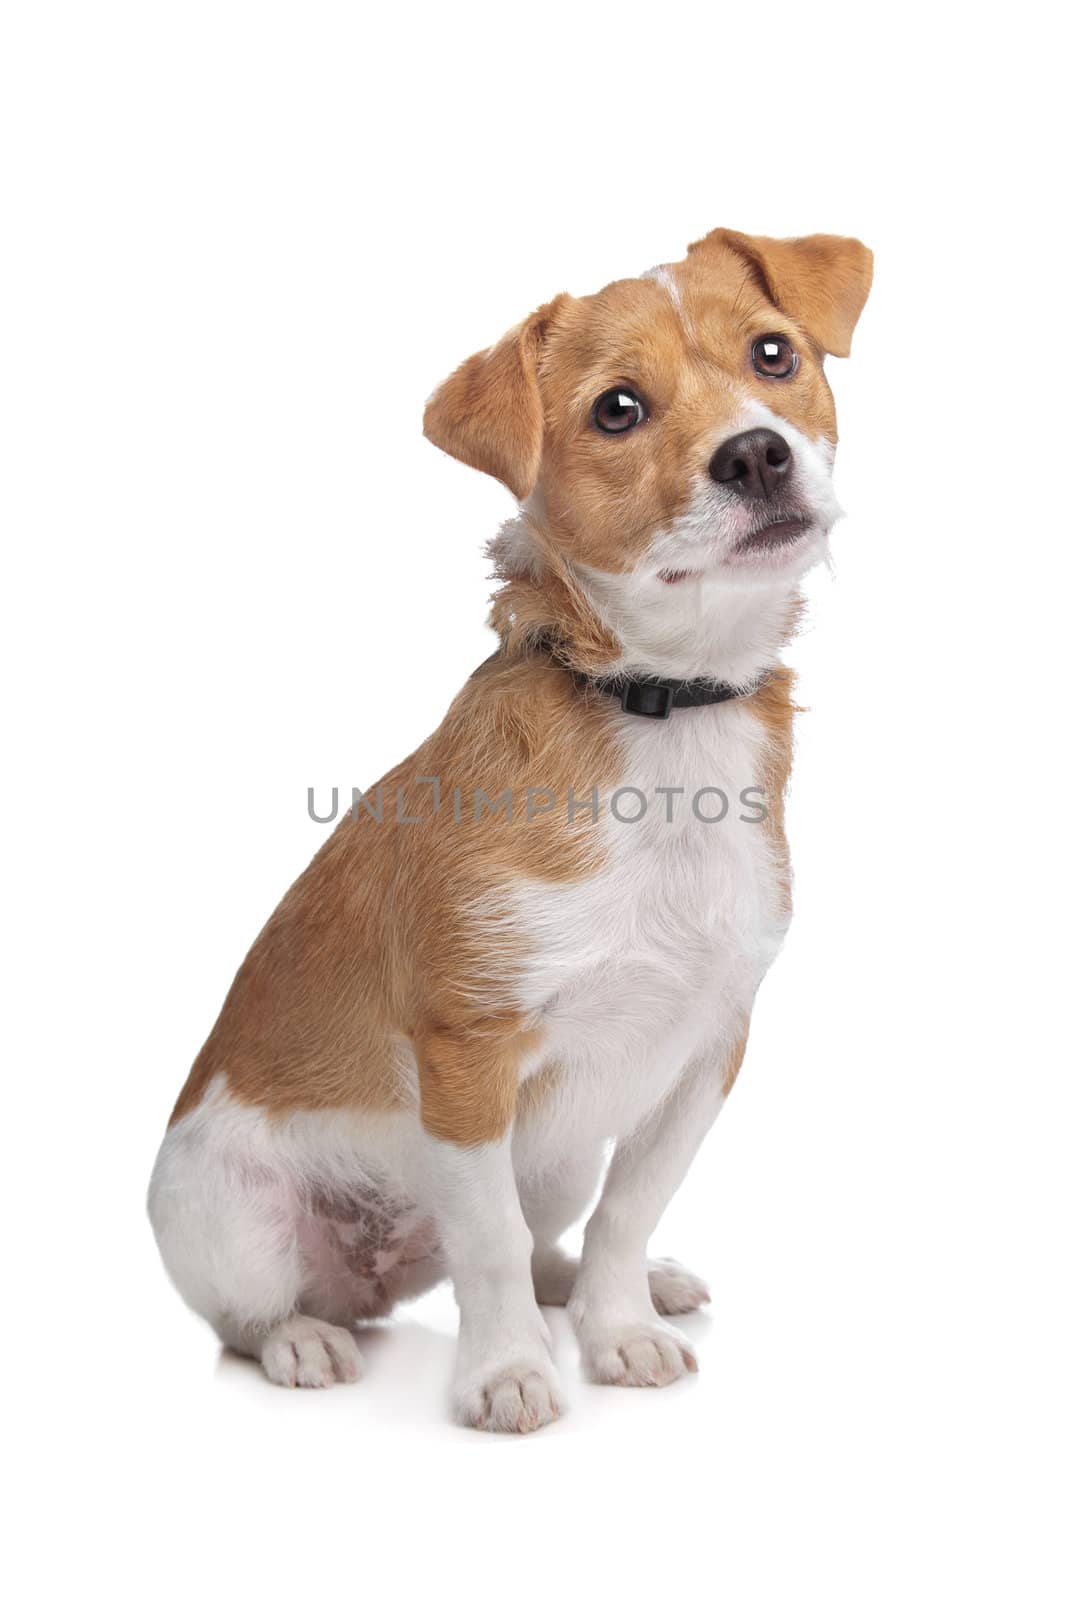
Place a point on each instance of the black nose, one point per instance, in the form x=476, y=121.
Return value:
x=752, y=464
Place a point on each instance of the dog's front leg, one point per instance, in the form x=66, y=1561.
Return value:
x=622, y=1339
x=504, y=1374
x=468, y=1092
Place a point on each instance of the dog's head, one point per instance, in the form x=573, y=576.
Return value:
x=672, y=435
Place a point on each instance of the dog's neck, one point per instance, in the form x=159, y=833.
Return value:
x=615, y=623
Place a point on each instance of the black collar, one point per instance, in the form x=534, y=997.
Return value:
x=658, y=697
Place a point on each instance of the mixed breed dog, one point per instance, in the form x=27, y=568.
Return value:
x=447, y=1022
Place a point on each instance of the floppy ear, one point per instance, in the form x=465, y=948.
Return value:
x=488, y=414
x=822, y=280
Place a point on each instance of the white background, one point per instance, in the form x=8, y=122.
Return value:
x=242, y=244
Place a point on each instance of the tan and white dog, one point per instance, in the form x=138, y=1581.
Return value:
x=544, y=931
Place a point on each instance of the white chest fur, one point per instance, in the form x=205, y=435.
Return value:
x=657, y=955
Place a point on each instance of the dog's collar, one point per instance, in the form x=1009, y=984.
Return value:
x=649, y=696
x=658, y=697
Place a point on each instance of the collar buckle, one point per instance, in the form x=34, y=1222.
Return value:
x=644, y=698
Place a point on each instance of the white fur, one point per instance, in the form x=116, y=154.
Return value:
x=728, y=621
x=647, y=961
x=664, y=276
x=504, y=1374
x=642, y=980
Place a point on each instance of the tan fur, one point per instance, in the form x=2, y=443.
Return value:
x=390, y=937
x=489, y=412
x=537, y=1090
x=732, y=1065
x=773, y=705
x=550, y=607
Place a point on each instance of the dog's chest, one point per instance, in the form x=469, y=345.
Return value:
x=644, y=962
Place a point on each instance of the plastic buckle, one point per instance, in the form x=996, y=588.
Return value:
x=647, y=699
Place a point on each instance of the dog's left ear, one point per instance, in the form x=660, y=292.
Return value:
x=822, y=280
x=488, y=414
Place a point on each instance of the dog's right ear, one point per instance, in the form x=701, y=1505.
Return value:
x=488, y=414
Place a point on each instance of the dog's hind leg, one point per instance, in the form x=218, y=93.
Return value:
x=228, y=1218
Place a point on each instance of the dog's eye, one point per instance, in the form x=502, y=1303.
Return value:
x=618, y=410
x=774, y=357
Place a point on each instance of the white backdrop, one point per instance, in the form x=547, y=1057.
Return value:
x=243, y=242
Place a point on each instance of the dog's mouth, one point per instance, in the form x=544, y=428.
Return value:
x=773, y=543
x=766, y=543
x=773, y=535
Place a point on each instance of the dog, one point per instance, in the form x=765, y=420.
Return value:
x=541, y=935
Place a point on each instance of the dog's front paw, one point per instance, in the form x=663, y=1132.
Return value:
x=517, y=1397
x=641, y=1355
x=674, y=1289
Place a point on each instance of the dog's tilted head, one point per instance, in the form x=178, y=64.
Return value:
x=671, y=438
